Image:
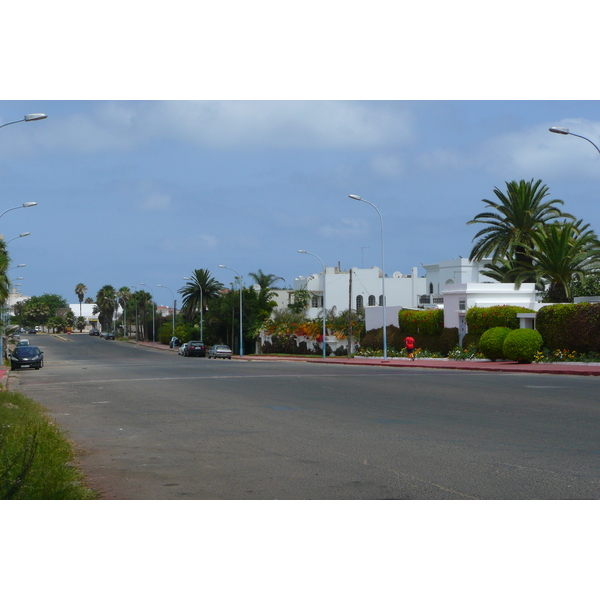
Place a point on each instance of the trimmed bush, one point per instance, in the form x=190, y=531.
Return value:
x=491, y=342
x=481, y=319
x=522, y=345
x=570, y=327
x=425, y=322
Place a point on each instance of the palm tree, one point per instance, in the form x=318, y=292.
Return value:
x=80, y=290
x=560, y=251
x=4, y=280
x=520, y=213
x=124, y=295
x=105, y=305
x=263, y=280
x=201, y=288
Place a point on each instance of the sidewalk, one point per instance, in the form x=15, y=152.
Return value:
x=430, y=363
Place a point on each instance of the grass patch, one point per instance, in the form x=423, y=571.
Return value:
x=36, y=458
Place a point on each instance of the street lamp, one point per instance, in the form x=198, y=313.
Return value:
x=565, y=131
x=201, y=308
x=324, y=302
x=24, y=205
x=136, y=315
x=153, y=311
x=19, y=236
x=17, y=267
x=30, y=117
x=354, y=197
x=172, y=294
x=240, y=278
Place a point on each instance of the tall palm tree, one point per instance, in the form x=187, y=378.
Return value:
x=4, y=279
x=80, y=290
x=201, y=288
x=105, y=305
x=520, y=213
x=263, y=280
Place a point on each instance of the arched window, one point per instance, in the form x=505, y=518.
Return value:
x=371, y=300
x=316, y=301
x=359, y=302
x=381, y=300
x=431, y=288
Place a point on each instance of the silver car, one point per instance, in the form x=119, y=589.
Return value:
x=182, y=349
x=220, y=351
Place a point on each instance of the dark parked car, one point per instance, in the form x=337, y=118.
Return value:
x=195, y=349
x=107, y=335
x=94, y=331
x=32, y=331
x=26, y=356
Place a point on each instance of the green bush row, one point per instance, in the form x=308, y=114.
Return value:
x=570, y=327
x=442, y=343
x=481, y=319
x=425, y=322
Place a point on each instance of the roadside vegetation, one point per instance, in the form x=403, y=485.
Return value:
x=37, y=462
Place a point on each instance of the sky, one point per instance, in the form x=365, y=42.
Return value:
x=146, y=191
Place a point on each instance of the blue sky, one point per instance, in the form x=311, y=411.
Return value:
x=146, y=191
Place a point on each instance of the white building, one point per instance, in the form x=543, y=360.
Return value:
x=363, y=291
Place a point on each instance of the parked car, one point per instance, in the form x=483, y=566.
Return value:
x=182, y=349
x=23, y=342
x=107, y=335
x=175, y=342
x=32, y=331
x=94, y=331
x=26, y=356
x=220, y=351
x=195, y=348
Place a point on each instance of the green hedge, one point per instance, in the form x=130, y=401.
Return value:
x=570, y=327
x=481, y=319
x=425, y=322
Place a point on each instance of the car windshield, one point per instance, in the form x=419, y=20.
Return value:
x=26, y=351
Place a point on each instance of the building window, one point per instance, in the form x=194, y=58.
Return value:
x=359, y=302
x=462, y=304
x=316, y=302
x=371, y=300
x=381, y=300
x=431, y=288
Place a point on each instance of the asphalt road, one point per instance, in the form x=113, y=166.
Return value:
x=154, y=425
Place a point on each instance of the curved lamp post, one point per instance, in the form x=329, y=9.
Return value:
x=153, y=312
x=172, y=294
x=26, y=118
x=19, y=236
x=136, y=315
x=201, y=309
x=565, y=131
x=324, y=302
x=354, y=197
x=24, y=205
x=240, y=278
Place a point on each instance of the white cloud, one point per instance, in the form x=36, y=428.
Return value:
x=387, y=166
x=156, y=201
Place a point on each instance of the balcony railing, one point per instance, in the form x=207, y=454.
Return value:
x=431, y=299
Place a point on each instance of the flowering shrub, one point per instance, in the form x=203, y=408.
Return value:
x=551, y=356
x=572, y=326
x=468, y=353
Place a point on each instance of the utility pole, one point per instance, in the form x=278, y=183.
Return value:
x=350, y=316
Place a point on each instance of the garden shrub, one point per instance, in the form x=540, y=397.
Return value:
x=491, y=342
x=570, y=327
x=425, y=322
x=441, y=343
x=481, y=319
x=522, y=345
